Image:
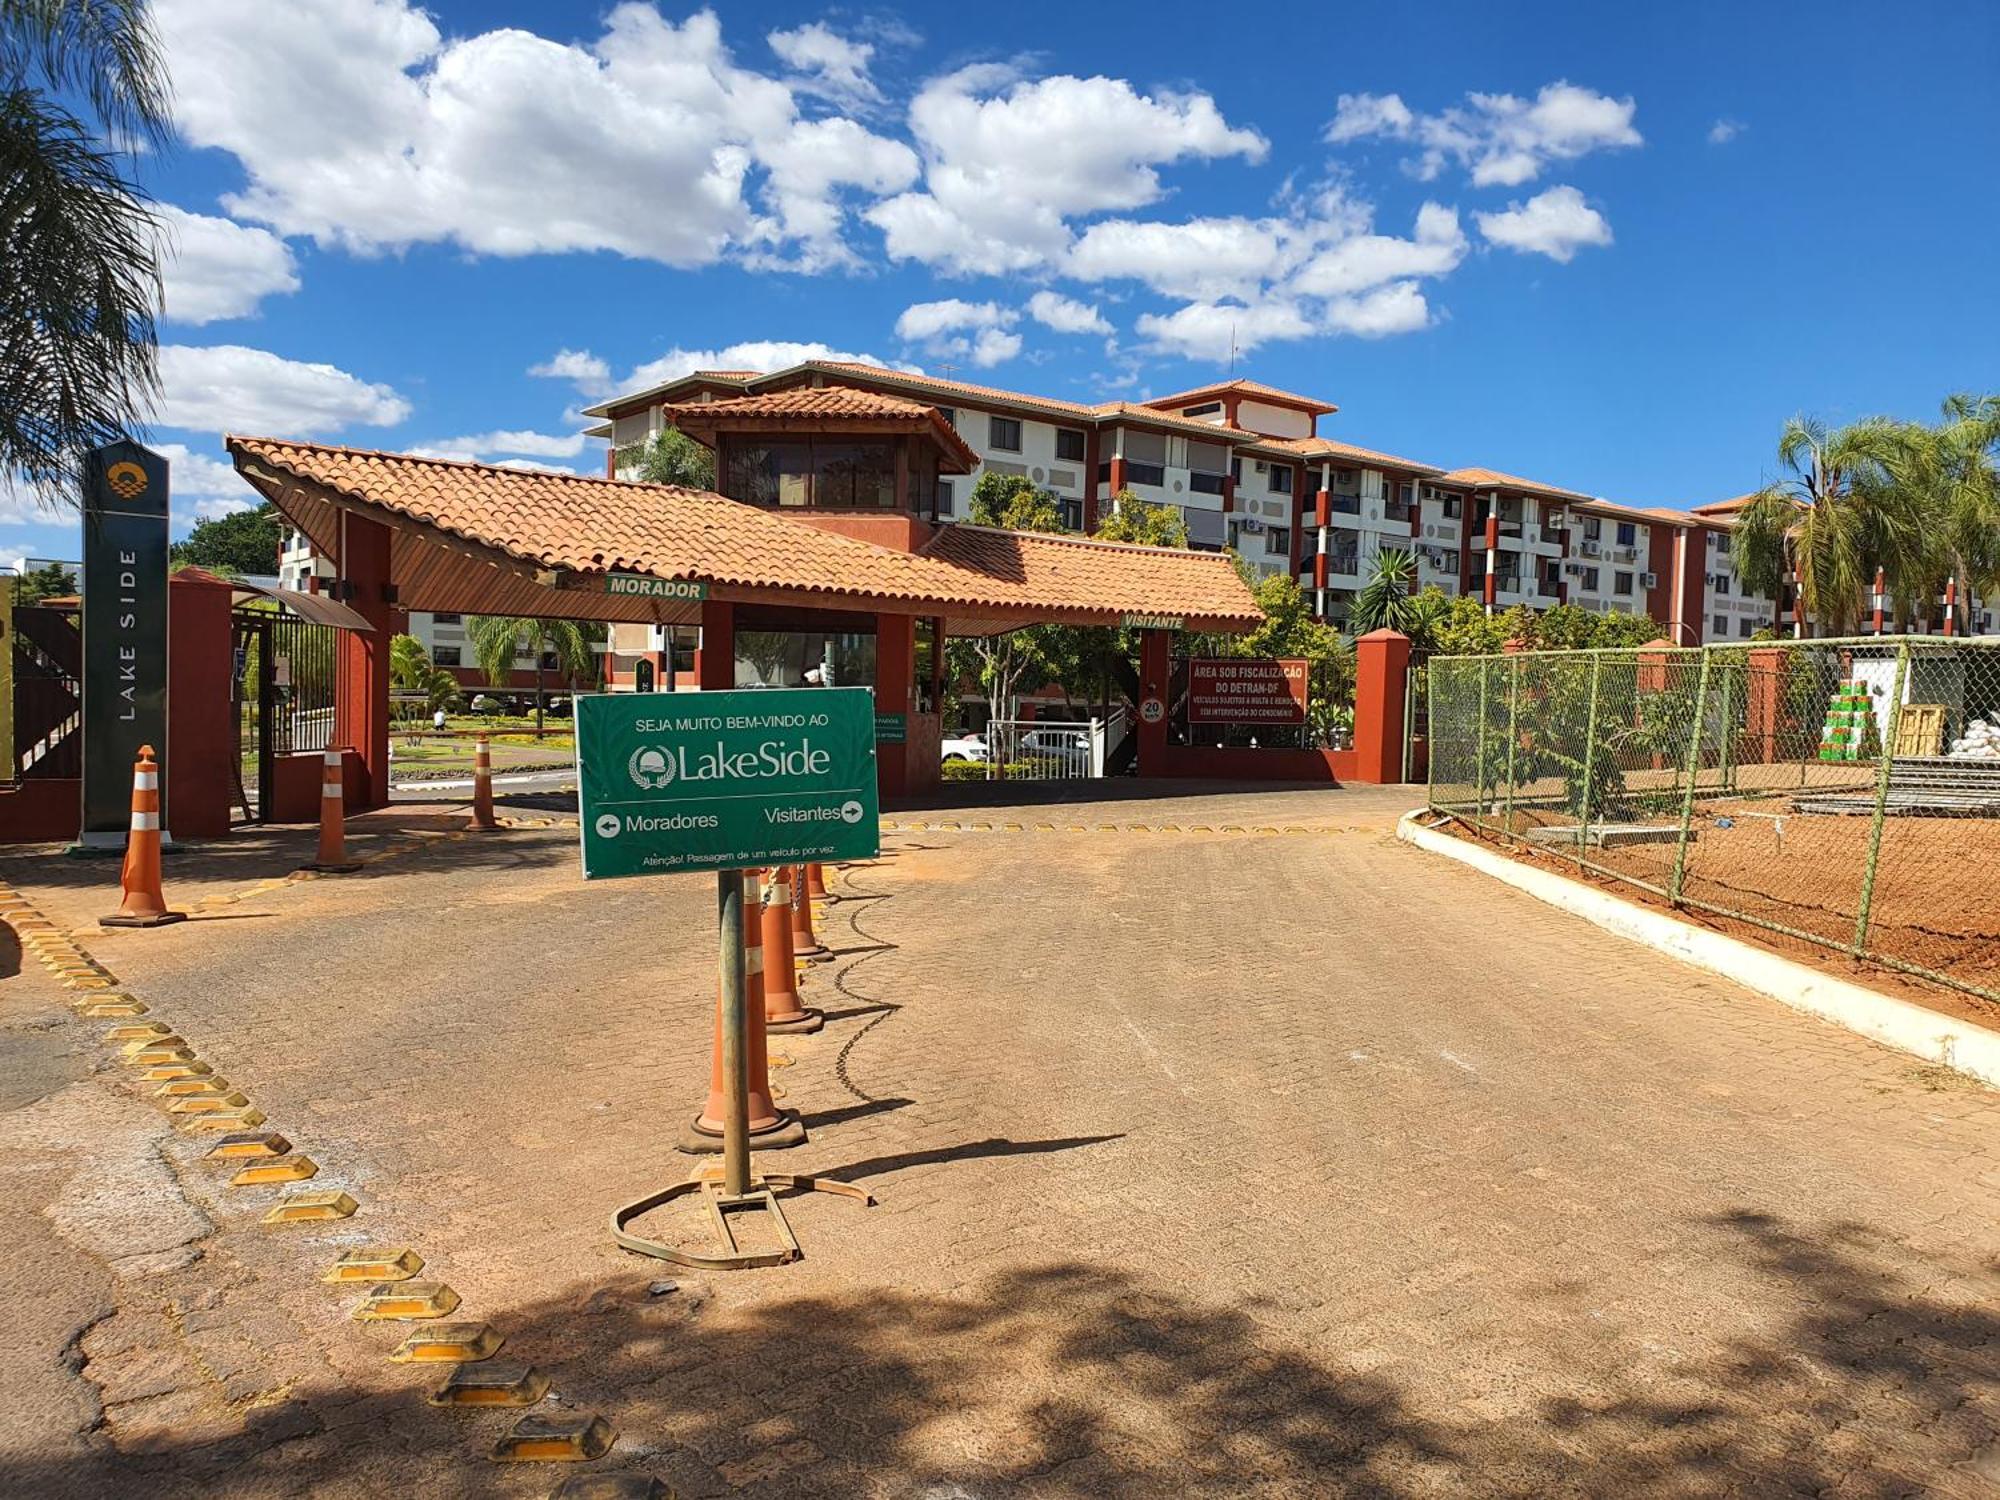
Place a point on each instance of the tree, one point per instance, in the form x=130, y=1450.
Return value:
x=1948, y=477
x=675, y=458
x=79, y=251
x=244, y=541
x=1830, y=521
x=999, y=663
x=1012, y=502
x=1290, y=630
x=498, y=639
x=1131, y=519
x=49, y=581
x=412, y=671
x=1385, y=602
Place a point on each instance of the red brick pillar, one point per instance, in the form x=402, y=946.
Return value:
x=1764, y=704
x=895, y=661
x=361, y=668
x=201, y=718
x=1490, y=591
x=1381, y=674
x=715, y=658
x=1156, y=667
x=1117, y=479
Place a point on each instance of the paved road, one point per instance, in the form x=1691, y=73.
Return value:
x=1209, y=1164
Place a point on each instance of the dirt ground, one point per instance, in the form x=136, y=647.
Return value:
x=1248, y=1163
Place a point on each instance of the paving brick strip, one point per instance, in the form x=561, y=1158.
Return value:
x=1260, y=1165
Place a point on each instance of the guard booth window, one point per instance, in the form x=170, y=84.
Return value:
x=804, y=658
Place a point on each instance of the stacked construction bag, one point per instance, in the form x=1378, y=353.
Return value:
x=1849, y=732
x=1981, y=741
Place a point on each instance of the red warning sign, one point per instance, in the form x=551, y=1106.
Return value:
x=1241, y=690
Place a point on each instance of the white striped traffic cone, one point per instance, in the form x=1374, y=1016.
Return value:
x=144, y=904
x=332, y=859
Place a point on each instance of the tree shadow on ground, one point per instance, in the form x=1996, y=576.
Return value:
x=1074, y=1379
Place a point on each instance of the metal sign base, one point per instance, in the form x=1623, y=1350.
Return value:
x=720, y=1205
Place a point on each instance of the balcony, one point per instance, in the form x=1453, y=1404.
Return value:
x=1398, y=510
x=1344, y=505
x=1343, y=564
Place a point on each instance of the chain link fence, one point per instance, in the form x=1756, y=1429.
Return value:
x=1841, y=793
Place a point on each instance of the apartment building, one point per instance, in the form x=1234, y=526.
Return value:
x=1248, y=468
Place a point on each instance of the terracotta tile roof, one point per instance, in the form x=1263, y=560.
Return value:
x=823, y=406
x=652, y=393
x=1132, y=411
x=1494, y=479
x=911, y=379
x=1251, y=388
x=1318, y=447
x=566, y=521
x=1078, y=572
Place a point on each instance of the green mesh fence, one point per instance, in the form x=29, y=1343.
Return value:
x=1841, y=793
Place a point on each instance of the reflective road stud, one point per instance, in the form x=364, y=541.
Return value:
x=207, y=1104
x=144, y=903
x=166, y=1072
x=225, y=1119
x=179, y=1088
x=482, y=784
x=495, y=1382
x=555, y=1438
x=277, y=1169
x=454, y=1343
x=375, y=1265
x=138, y=1031
x=301, y=1208
x=250, y=1143
x=407, y=1302
x=332, y=859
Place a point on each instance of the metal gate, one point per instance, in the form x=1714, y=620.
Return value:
x=283, y=687
x=46, y=686
x=1049, y=749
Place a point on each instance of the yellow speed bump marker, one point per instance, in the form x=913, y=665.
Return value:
x=460, y=1343
x=554, y=1438
x=225, y=1119
x=375, y=1265
x=138, y=1031
x=181, y=1088
x=166, y=1072
x=496, y=1382
x=250, y=1143
x=100, y=1007
x=407, y=1302
x=207, y=1104
x=277, y=1169
x=303, y=1208
x=157, y=1050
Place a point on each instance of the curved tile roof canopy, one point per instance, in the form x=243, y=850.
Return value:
x=483, y=539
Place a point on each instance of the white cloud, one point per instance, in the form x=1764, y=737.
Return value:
x=1369, y=260
x=1397, y=308
x=992, y=347
x=516, y=440
x=588, y=372
x=1556, y=223
x=1008, y=161
x=833, y=65
x=591, y=373
x=926, y=320
x=1722, y=132
x=216, y=268
x=1066, y=314
x=1201, y=258
x=1212, y=331
x=361, y=125
x=193, y=475
x=228, y=388
x=1503, y=140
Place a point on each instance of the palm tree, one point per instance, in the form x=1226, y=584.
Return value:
x=1949, y=476
x=498, y=639
x=1384, y=601
x=78, y=245
x=1830, y=521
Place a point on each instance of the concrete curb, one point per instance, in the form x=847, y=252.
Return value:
x=1962, y=1045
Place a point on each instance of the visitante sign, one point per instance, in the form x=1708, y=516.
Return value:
x=725, y=781
x=124, y=633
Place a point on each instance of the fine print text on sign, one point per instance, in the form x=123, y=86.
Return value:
x=1226, y=690
x=725, y=781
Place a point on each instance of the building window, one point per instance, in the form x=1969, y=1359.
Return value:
x=446, y=619
x=1278, y=541
x=1628, y=534
x=1003, y=433
x=860, y=476
x=1590, y=580
x=1453, y=507
x=1069, y=445
x=1719, y=626
x=1745, y=627
x=1722, y=543
x=1206, y=409
x=1205, y=484
x=1593, y=528
x=950, y=415
x=1137, y=473
x=1721, y=583
x=447, y=656
x=944, y=497
x=1621, y=583
x=1281, y=479
x=1071, y=512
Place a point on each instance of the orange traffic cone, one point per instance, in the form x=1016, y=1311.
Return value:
x=804, y=944
x=816, y=884
x=482, y=784
x=783, y=1010
x=144, y=903
x=332, y=858
x=771, y=1128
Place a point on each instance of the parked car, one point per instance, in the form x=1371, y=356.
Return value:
x=1054, y=742
x=963, y=747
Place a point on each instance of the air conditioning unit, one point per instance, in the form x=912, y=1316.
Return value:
x=1258, y=466
x=1627, y=554
x=1589, y=549
x=1649, y=580
x=1574, y=569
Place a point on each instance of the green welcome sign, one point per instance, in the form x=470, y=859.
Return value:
x=725, y=781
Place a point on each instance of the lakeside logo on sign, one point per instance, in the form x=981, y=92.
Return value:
x=721, y=781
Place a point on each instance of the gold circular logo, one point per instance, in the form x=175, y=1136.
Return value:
x=127, y=480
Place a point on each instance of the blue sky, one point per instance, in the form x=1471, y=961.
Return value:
x=1611, y=247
